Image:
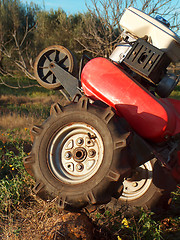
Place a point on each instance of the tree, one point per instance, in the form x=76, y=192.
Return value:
x=101, y=29
x=56, y=27
x=17, y=23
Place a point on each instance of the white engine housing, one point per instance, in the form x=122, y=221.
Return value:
x=140, y=24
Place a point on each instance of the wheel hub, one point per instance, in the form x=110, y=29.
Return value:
x=80, y=154
x=73, y=156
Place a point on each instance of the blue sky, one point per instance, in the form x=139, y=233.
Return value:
x=69, y=6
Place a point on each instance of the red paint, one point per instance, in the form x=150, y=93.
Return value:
x=151, y=118
x=174, y=105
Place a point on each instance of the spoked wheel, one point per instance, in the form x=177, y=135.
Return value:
x=77, y=155
x=44, y=63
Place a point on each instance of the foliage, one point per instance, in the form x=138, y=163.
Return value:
x=176, y=93
x=14, y=181
x=17, y=22
x=141, y=227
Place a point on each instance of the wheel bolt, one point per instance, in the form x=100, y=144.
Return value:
x=135, y=184
x=80, y=141
x=92, y=153
x=67, y=155
x=79, y=167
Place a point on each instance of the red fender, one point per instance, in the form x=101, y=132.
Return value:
x=150, y=117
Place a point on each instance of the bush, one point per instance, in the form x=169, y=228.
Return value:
x=14, y=181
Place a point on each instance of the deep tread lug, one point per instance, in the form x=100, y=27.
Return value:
x=91, y=198
x=108, y=115
x=113, y=176
x=38, y=187
x=28, y=161
x=83, y=103
x=56, y=109
x=36, y=130
x=121, y=143
x=76, y=98
x=61, y=202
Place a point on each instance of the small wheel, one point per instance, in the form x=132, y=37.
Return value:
x=78, y=154
x=149, y=187
x=42, y=67
x=138, y=184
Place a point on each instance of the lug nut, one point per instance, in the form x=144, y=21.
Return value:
x=92, y=153
x=79, y=167
x=80, y=141
x=67, y=155
x=135, y=184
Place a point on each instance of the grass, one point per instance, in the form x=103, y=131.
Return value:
x=22, y=214
x=14, y=181
x=176, y=93
x=20, y=109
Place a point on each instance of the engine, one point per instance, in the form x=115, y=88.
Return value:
x=147, y=48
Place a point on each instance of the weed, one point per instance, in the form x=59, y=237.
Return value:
x=14, y=181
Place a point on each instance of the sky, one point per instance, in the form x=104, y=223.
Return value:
x=69, y=6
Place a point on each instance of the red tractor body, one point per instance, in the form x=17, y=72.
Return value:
x=152, y=118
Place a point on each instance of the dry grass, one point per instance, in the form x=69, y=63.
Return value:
x=45, y=221
x=17, y=126
x=19, y=114
x=18, y=101
x=11, y=121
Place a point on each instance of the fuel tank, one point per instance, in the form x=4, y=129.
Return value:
x=152, y=118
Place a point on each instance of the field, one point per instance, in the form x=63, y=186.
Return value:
x=24, y=216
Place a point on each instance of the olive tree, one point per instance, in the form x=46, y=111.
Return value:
x=17, y=23
x=101, y=29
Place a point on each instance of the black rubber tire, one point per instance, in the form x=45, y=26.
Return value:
x=157, y=197
x=105, y=182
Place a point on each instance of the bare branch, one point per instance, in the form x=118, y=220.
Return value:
x=19, y=86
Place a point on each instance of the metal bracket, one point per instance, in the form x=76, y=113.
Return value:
x=69, y=82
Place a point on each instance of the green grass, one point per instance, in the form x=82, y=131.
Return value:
x=176, y=93
x=146, y=226
x=36, y=91
x=35, y=110
x=14, y=181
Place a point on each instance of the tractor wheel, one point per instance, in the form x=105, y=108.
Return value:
x=77, y=155
x=42, y=67
x=149, y=187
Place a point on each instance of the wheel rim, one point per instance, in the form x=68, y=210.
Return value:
x=45, y=60
x=136, y=186
x=75, y=153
